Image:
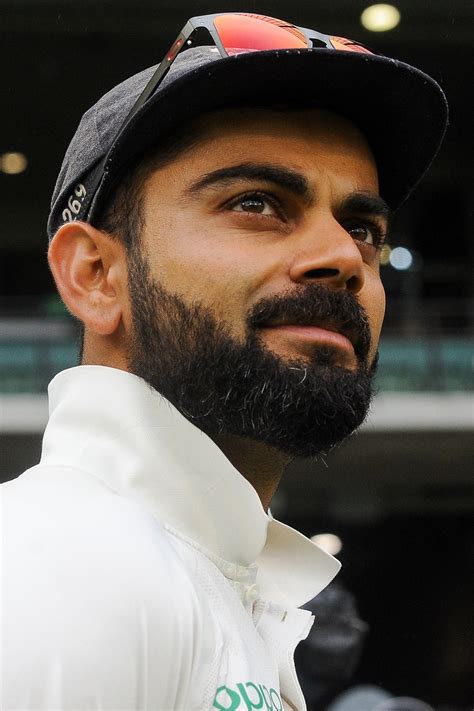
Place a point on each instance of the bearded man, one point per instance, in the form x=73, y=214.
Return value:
x=216, y=227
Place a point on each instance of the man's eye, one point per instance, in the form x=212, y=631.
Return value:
x=254, y=203
x=367, y=232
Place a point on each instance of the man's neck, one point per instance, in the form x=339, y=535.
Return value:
x=262, y=465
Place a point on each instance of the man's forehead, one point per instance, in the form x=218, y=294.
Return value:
x=298, y=138
x=277, y=122
x=301, y=141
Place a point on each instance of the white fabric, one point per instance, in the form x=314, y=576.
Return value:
x=140, y=571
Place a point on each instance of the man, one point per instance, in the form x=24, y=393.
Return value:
x=216, y=227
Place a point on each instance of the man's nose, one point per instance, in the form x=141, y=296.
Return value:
x=328, y=254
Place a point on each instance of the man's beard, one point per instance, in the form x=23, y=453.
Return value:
x=302, y=407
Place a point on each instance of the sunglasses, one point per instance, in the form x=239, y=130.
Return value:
x=237, y=33
x=229, y=33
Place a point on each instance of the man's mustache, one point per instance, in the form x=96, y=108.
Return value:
x=317, y=305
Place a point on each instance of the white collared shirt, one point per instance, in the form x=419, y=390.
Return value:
x=140, y=571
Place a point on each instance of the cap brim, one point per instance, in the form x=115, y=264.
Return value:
x=401, y=111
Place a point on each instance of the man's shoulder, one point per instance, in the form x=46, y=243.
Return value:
x=61, y=518
x=92, y=581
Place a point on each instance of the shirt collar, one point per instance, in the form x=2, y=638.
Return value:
x=113, y=425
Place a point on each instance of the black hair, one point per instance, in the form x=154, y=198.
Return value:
x=122, y=218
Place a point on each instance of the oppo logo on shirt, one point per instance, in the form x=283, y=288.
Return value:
x=249, y=696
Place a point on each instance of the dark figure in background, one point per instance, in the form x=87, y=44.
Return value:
x=328, y=657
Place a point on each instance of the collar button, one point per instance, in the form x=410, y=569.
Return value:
x=252, y=593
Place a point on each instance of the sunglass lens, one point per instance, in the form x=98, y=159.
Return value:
x=348, y=45
x=247, y=33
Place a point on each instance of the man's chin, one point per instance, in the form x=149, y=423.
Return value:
x=303, y=412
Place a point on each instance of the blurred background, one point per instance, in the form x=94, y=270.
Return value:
x=397, y=499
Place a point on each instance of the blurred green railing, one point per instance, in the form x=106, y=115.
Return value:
x=435, y=364
x=33, y=351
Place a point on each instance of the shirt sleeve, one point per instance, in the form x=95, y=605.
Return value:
x=97, y=609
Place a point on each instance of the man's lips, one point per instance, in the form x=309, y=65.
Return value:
x=313, y=334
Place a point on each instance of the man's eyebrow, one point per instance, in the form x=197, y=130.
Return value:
x=284, y=177
x=358, y=202
x=366, y=204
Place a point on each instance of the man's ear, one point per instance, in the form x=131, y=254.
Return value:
x=89, y=268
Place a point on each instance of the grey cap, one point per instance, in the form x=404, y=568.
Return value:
x=401, y=111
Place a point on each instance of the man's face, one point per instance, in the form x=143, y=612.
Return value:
x=255, y=295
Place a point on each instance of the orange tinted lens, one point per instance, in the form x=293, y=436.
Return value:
x=256, y=32
x=348, y=45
